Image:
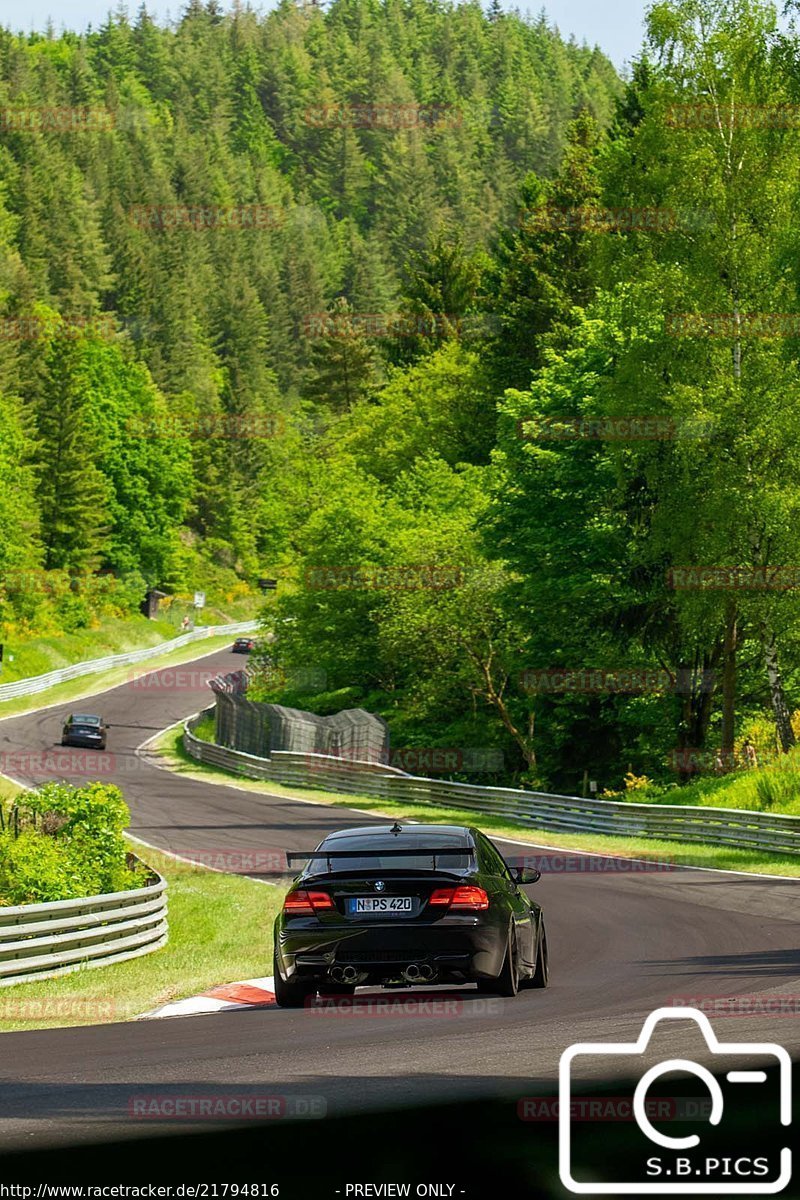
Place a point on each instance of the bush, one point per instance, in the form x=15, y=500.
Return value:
x=76, y=849
x=34, y=870
x=779, y=786
x=73, y=613
x=760, y=729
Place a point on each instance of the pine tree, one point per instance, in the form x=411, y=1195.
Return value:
x=73, y=494
x=344, y=360
x=438, y=295
x=543, y=267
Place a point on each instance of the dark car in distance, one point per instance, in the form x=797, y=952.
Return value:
x=243, y=645
x=410, y=904
x=84, y=729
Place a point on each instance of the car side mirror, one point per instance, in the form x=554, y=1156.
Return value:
x=525, y=875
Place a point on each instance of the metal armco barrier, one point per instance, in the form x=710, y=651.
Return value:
x=39, y=941
x=738, y=828
x=39, y=683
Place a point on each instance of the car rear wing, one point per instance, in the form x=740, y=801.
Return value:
x=395, y=852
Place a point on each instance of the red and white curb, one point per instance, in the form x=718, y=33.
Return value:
x=247, y=993
x=259, y=993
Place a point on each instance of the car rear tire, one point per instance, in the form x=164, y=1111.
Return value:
x=541, y=976
x=291, y=995
x=507, y=982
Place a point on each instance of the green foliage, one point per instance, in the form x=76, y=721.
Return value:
x=470, y=445
x=439, y=406
x=343, y=361
x=75, y=848
x=543, y=262
x=163, y=405
x=73, y=492
x=33, y=871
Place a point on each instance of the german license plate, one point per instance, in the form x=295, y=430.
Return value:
x=380, y=904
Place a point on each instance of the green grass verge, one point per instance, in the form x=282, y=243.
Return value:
x=204, y=730
x=113, y=635
x=220, y=930
x=88, y=685
x=8, y=790
x=169, y=746
x=774, y=788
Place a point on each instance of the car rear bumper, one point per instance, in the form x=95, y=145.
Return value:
x=455, y=948
x=86, y=743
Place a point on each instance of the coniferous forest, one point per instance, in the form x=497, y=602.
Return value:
x=486, y=352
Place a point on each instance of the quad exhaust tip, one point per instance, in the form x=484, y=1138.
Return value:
x=344, y=974
x=418, y=972
x=413, y=973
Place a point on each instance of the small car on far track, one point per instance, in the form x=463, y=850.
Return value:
x=84, y=729
x=243, y=645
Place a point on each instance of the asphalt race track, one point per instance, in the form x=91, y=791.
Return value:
x=621, y=944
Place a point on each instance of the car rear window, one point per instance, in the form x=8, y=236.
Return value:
x=449, y=856
x=81, y=720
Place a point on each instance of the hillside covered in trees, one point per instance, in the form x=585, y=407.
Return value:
x=486, y=354
x=116, y=147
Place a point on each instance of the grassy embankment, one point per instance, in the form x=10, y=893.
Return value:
x=774, y=787
x=114, y=636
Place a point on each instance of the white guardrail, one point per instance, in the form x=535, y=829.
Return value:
x=739, y=828
x=40, y=683
x=39, y=941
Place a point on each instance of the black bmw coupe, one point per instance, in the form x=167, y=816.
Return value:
x=407, y=904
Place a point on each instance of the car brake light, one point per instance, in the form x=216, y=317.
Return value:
x=305, y=904
x=467, y=899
